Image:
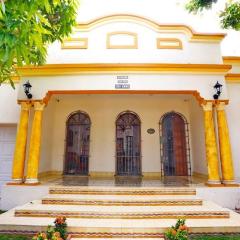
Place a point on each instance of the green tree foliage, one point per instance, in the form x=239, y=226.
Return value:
x=26, y=29
x=198, y=5
x=229, y=17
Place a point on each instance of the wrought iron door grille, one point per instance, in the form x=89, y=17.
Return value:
x=128, y=145
x=77, y=144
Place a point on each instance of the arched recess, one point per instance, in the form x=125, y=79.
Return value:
x=174, y=145
x=77, y=144
x=128, y=144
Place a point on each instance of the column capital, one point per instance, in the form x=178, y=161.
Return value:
x=25, y=106
x=221, y=106
x=207, y=106
x=39, y=106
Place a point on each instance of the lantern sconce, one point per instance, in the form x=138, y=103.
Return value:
x=27, y=87
x=218, y=88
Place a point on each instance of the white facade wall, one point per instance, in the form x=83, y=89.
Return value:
x=235, y=68
x=9, y=117
x=202, y=83
x=47, y=134
x=103, y=111
x=97, y=52
x=233, y=117
x=7, y=144
x=198, y=140
x=8, y=104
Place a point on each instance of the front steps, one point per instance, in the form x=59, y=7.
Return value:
x=118, y=212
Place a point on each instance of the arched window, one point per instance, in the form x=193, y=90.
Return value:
x=128, y=144
x=77, y=144
x=175, y=152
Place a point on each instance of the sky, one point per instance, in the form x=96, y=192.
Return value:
x=164, y=11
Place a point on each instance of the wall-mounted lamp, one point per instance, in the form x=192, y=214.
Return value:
x=218, y=88
x=27, y=87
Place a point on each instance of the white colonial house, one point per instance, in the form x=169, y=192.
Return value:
x=125, y=95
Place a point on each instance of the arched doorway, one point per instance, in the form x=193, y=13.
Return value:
x=77, y=144
x=175, y=152
x=128, y=144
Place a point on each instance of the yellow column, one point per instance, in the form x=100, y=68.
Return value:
x=21, y=142
x=211, y=146
x=225, y=146
x=35, y=144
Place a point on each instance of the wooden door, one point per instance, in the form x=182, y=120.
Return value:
x=174, y=145
x=179, y=146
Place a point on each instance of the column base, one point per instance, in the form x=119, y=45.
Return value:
x=213, y=183
x=16, y=181
x=31, y=181
x=230, y=183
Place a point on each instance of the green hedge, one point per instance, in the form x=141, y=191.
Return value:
x=219, y=237
x=13, y=237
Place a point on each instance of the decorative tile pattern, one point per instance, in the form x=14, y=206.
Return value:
x=133, y=215
x=125, y=191
x=175, y=202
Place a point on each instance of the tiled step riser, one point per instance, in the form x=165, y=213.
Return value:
x=123, y=203
x=162, y=215
x=147, y=193
x=117, y=235
x=127, y=237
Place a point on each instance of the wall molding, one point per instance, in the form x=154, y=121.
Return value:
x=169, y=43
x=132, y=37
x=75, y=43
x=231, y=60
x=194, y=93
x=232, y=78
x=200, y=175
x=95, y=68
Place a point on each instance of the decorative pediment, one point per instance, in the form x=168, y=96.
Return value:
x=114, y=39
x=170, y=28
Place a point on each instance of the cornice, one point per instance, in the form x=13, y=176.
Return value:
x=100, y=68
x=232, y=78
x=231, y=60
